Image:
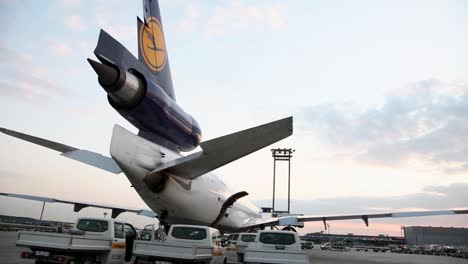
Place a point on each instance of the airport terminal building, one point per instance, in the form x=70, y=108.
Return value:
x=426, y=235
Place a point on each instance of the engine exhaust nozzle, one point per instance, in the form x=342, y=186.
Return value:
x=125, y=90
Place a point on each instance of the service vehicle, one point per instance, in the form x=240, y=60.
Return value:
x=325, y=246
x=92, y=240
x=373, y=248
x=235, y=246
x=307, y=245
x=276, y=247
x=182, y=244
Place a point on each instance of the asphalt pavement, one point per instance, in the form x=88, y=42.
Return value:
x=10, y=254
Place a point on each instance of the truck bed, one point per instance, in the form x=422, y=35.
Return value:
x=161, y=250
x=266, y=255
x=56, y=241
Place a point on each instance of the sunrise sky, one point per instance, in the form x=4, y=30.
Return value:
x=378, y=91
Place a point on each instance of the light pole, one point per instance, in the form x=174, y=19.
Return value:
x=42, y=213
x=282, y=155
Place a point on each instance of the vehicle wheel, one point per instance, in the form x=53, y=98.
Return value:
x=86, y=261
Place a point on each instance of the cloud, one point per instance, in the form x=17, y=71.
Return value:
x=60, y=48
x=191, y=16
x=425, y=123
x=430, y=198
x=238, y=17
x=85, y=47
x=70, y=4
x=25, y=81
x=75, y=23
x=112, y=22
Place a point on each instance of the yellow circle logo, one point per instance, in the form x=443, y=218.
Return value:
x=152, y=44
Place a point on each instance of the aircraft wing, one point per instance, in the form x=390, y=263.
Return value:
x=293, y=220
x=116, y=210
x=223, y=150
x=88, y=157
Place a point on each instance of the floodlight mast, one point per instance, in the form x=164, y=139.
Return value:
x=282, y=155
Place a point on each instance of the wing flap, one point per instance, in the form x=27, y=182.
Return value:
x=223, y=150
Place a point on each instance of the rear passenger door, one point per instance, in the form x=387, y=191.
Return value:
x=231, y=248
x=118, y=243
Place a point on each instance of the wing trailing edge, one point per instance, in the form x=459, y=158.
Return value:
x=292, y=220
x=223, y=150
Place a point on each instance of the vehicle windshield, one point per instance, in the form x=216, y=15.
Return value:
x=190, y=233
x=248, y=238
x=277, y=238
x=92, y=225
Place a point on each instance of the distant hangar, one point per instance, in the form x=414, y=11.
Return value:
x=426, y=235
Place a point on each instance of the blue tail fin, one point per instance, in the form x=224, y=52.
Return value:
x=152, y=50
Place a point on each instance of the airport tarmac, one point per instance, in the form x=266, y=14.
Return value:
x=10, y=254
x=318, y=256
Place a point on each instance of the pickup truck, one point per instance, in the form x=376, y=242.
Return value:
x=92, y=240
x=235, y=245
x=276, y=247
x=182, y=244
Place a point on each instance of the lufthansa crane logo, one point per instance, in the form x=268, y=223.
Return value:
x=152, y=44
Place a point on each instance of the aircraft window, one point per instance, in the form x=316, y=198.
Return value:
x=277, y=238
x=248, y=238
x=190, y=233
x=119, y=231
x=92, y=225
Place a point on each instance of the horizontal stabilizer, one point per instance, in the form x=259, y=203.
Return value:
x=88, y=157
x=39, y=141
x=116, y=210
x=94, y=159
x=223, y=150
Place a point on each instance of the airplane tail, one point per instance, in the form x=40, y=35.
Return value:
x=152, y=49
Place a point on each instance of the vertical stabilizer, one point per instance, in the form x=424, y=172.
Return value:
x=152, y=49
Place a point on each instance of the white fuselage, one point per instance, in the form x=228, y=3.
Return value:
x=195, y=201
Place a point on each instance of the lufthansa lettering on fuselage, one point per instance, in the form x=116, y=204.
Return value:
x=152, y=44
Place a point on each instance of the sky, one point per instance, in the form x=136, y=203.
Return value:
x=378, y=91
